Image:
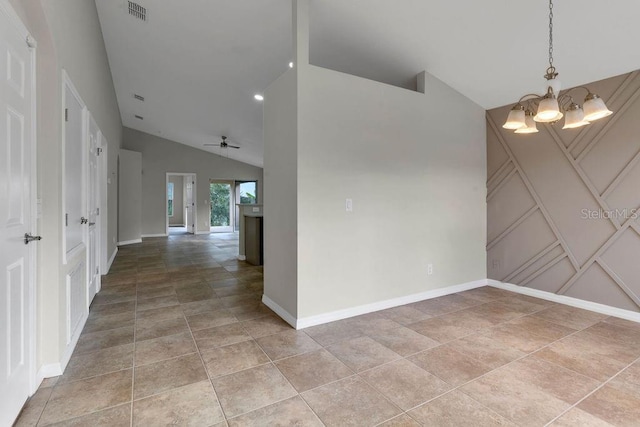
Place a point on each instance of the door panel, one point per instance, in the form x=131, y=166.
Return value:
x=16, y=117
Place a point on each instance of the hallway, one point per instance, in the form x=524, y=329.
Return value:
x=178, y=335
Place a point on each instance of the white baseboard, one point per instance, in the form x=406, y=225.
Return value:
x=286, y=316
x=129, y=242
x=203, y=232
x=563, y=299
x=242, y=258
x=144, y=236
x=332, y=316
x=73, y=342
x=111, y=259
x=48, y=371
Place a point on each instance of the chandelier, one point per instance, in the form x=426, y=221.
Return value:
x=552, y=106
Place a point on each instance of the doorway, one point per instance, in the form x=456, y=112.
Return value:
x=221, y=210
x=18, y=213
x=181, y=203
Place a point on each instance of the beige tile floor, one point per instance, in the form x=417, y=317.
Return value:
x=178, y=336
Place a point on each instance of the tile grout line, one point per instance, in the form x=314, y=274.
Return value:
x=594, y=391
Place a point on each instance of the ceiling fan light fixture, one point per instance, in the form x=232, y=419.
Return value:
x=258, y=97
x=595, y=108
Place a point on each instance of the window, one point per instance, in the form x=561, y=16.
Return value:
x=247, y=192
x=170, y=198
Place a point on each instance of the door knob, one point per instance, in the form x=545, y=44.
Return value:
x=92, y=223
x=29, y=238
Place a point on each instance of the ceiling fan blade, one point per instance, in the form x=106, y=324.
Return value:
x=232, y=146
x=211, y=145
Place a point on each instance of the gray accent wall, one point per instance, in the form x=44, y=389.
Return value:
x=563, y=204
x=161, y=156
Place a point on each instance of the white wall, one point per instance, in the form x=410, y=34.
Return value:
x=178, y=200
x=161, y=156
x=281, y=193
x=414, y=165
x=130, y=197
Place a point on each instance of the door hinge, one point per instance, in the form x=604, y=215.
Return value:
x=99, y=151
x=66, y=114
x=66, y=220
x=97, y=211
x=97, y=270
x=193, y=182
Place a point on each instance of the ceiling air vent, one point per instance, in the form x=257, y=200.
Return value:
x=139, y=117
x=138, y=97
x=137, y=11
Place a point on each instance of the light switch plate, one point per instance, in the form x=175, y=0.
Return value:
x=255, y=209
x=349, y=205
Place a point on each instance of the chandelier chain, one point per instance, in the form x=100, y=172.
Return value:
x=550, y=33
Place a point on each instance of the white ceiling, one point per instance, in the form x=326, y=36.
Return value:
x=198, y=63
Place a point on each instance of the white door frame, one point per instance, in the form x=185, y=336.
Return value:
x=10, y=13
x=194, y=196
x=91, y=122
x=68, y=84
x=103, y=176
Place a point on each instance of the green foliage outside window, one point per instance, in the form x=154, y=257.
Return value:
x=220, y=204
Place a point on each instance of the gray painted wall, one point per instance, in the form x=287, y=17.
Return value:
x=178, y=200
x=281, y=193
x=548, y=194
x=130, y=197
x=415, y=175
x=161, y=156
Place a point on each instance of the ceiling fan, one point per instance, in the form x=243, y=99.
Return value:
x=221, y=144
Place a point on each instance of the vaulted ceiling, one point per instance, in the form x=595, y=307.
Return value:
x=198, y=63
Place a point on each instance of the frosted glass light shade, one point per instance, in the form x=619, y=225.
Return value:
x=548, y=110
x=515, y=119
x=595, y=108
x=531, y=126
x=574, y=117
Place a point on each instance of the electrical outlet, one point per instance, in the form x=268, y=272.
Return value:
x=429, y=269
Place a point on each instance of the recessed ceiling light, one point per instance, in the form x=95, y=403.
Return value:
x=258, y=97
x=290, y=64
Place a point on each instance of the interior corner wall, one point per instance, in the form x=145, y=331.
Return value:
x=281, y=193
x=414, y=166
x=563, y=205
x=161, y=156
x=178, y=200
x=130, y=197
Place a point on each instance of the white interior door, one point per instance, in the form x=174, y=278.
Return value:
x=16, y=258
x=93, y=211
x=189, y=203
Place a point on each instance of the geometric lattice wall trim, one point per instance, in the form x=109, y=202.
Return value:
x=564, y=205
